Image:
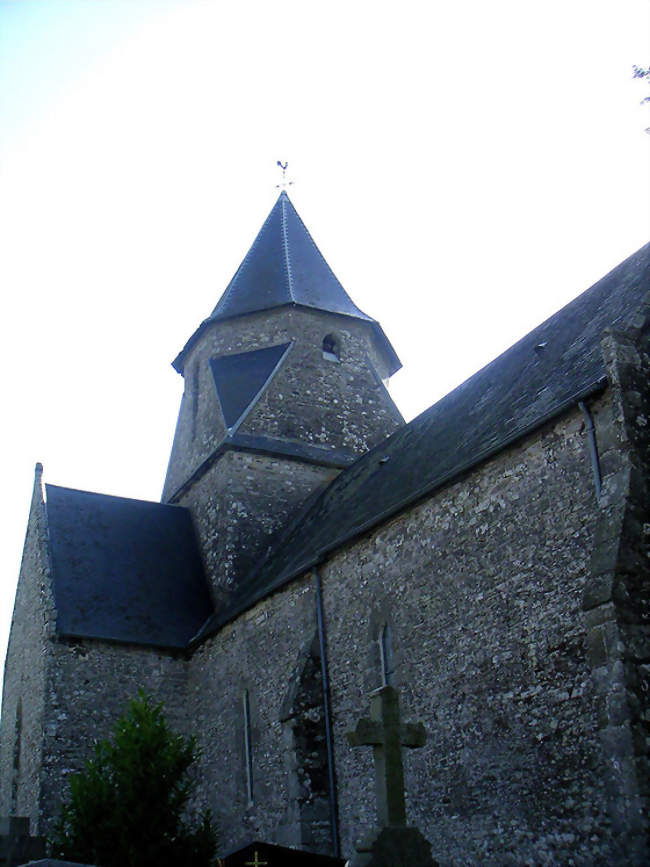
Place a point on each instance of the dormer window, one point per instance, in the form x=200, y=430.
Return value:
x=331, y=348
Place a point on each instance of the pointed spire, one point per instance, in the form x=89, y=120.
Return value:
x=284, y=266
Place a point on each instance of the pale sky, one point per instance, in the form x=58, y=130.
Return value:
x=466, y=168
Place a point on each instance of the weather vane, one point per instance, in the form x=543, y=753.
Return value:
x=284, y=183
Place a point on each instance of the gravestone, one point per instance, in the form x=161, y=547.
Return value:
x=258, y=854
x=393, y=844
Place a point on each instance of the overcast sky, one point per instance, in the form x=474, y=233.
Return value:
x=466, y=168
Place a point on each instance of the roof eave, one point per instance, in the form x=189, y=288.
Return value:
x=392, y=359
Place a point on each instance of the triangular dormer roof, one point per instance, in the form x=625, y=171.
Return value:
x=240, y=379
x=284, y=267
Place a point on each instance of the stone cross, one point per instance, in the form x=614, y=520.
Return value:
x=386, y=734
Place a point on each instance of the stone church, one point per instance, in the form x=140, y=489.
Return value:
x=490, y=560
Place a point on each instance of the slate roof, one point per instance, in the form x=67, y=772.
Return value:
x=549, y=370
x=285, y=267
x=125, y=570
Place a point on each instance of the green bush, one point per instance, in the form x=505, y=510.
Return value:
x=127, y=809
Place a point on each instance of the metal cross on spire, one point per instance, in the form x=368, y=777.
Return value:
x=284, y=183
x=386, y=734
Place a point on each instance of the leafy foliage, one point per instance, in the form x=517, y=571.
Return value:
x=127, y=808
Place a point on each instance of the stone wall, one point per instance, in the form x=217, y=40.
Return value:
x=310, y=400
x=239, y=499
x=518, y=611
x=26, y=671
x=482, y=586
x=337, y=405
x=263, y=652
x=61, y=696
x=90, y=685
x=240, y=503
x=617, y=594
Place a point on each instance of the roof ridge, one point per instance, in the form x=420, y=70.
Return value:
x=104, y=495
x=324, y=260
x=284, y=266
x=285, y=243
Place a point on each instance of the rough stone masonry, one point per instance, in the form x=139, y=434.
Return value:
x=490, y=558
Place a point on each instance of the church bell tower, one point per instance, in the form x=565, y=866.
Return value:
x=284, y=387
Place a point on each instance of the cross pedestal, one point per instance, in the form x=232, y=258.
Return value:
x=394, y=844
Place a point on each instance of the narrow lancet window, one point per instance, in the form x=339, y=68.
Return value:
x=386, y=655
x=248, y=747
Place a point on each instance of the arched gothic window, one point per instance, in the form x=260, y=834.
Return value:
x=307, y=819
